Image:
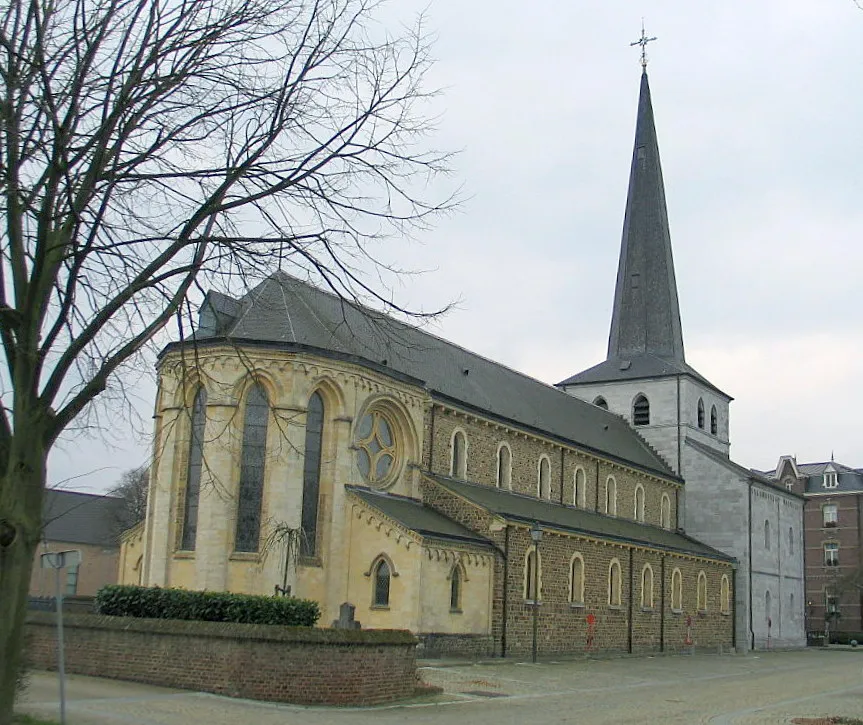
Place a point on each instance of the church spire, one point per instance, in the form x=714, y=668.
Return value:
x=646, y=315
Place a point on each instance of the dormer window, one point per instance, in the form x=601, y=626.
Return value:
x=831, y=479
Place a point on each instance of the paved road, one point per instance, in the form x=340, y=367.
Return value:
x=719, y=690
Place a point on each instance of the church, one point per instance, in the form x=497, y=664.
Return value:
x=306, y=444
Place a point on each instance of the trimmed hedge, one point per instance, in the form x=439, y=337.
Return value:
x=118, y=600
x=846, y=637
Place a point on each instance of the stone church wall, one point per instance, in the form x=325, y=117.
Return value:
x=485, y=437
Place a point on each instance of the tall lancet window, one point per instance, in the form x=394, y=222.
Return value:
x=312, y=474
x=193, y=475
x=714, y=421
x=251, y=493
x=700, y=413
x=640, y=411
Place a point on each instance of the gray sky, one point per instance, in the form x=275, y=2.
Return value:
x=759, y=112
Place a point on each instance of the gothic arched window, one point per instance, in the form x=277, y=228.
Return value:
x=578, y=490
x=700, y=413
x=251, y=490
x=676, y=591
x=724, y=596
x=640, y=411
x=647, y=587
x=381, y=581
x=543, y=482
x=714, y=421
x=576, y=580
x=455, y=589
x=701, y=592
x=614, y=595
x=312, y=474
x=639, y=502
x=504, y=467
x=458, y=464
x=611, y=496
x=193, y=472
x=665, y=512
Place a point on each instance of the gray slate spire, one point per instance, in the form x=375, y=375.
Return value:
x=646, y=316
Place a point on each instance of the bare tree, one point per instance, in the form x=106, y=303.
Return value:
x=132, y=489
x=152, y=148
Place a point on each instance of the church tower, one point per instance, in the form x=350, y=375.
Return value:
x=645, y=377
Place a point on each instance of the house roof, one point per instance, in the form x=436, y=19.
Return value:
x=81, y=518
x=416, y=516
x=529, y=509
x=288, y=313
x=848, y=479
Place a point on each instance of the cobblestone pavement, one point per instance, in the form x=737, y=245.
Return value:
x=720, y=690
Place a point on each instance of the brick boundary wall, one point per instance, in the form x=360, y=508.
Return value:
x=300, y=665
x=472, y=646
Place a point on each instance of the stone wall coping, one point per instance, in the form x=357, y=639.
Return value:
x=230, y=630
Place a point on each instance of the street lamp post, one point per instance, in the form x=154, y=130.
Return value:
x=536, y=537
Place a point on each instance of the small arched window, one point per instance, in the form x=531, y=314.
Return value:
x=614, y=595
x=455, y=589
x=665, y=512
x=578, y=490
x=544, y=478
x=724, y=595
x=701, y=593
x=641, y=410
x=458, y=463
x=611, y=496
x=700, y=413
x=767, y=535
x=676, y=591
x=532, y=575
x=193, y=472
x=639, y=502
x=790, y=539
x=600, y=402
x=504, y=467
x=647, y=587
x=714, y=421
x=381, y=582
x=251, y=494
x=576, y=580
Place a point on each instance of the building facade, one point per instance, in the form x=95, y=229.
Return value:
x=309, y=445
x=833, y=531
x=684, y=417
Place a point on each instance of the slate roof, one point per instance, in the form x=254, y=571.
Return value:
x=286, y=312
x=849, y=480
x=81, y=518
x=529, y=509
x=416, y=516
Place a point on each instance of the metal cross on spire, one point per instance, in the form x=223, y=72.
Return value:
x=643, y=41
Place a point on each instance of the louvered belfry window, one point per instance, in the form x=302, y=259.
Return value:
x=641, y=411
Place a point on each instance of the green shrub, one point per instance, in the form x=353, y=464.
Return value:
x=846, y=637
x=155, y=603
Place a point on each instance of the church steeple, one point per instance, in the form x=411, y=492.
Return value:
x=646, y=315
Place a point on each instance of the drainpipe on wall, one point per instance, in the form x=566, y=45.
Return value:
x=779, y=564
x=662, y=604
x=504, y=608
x=631, y=597
x=751, y=601
x=734, y=607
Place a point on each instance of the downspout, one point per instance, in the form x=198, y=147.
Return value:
x=662, y=604
x=631, y=597
x=504, y=609
x=779, y=564
x=596, y=505
x=734, y=607
x=561, y=474
x=749, y=565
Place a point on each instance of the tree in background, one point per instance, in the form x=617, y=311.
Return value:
x=150, y=149
x=132, y=488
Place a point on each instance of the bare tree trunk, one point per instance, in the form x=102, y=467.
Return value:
x=21, y=493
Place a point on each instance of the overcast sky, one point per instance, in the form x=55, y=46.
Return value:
x=759, y=113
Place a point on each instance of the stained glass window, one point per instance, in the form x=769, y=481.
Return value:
x=312, y=474
x=193, y=476
x=376, y=447
x=251, y=488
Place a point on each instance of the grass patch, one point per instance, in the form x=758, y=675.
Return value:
x=30, y=720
